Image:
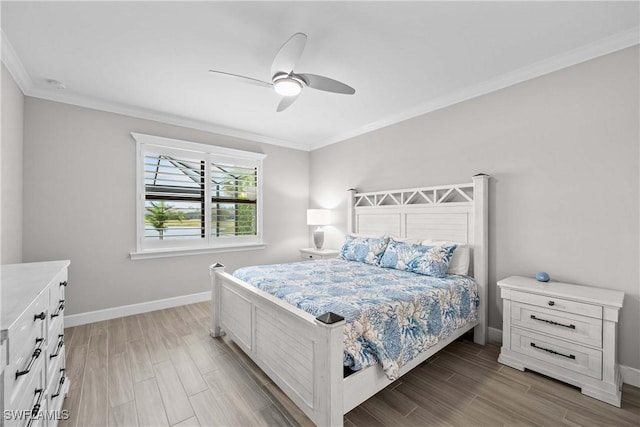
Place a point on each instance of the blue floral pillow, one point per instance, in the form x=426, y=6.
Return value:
x=363, y=249
x=428, y=260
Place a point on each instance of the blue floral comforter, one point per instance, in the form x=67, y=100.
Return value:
x=391, y=315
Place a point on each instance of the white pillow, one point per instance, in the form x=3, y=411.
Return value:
x=368, y=236
x=461, y=256
x=406, y=240
x=383, y=235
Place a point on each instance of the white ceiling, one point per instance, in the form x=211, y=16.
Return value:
x=150, y=59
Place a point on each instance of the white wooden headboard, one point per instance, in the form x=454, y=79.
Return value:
x=456, y=213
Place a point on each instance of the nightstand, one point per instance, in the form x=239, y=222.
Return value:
x=565, y=331
x=313, y=253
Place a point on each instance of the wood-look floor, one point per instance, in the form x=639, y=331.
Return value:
x=162, y=368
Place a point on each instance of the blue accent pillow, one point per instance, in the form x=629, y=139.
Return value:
x=363, y=249
x=428, y=260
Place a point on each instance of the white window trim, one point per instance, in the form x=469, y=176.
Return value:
x=143, y=251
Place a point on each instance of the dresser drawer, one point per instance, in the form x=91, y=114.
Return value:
x=55, y=348
x=558, y=304
x=561, y=324
x=56, y=295
x=573, y=357
x=30, y=325
x=58, y=383
x=32, y=392
x=18, y=376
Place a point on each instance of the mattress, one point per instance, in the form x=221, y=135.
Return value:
x=391, y=315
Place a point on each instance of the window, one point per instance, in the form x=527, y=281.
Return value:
x=196, y=198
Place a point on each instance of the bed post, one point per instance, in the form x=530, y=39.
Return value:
x=351, y=211
x=481, y=253
x=329, y=370
x=215, y=299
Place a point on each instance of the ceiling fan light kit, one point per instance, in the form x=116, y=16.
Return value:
x=289, y=84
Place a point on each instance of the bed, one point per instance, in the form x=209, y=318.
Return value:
x=304, y=353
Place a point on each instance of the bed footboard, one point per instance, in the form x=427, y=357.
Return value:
x=300, y=353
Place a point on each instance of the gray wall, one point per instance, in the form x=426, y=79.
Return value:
x=11, y=170
x=79, y=204
x=563, y=151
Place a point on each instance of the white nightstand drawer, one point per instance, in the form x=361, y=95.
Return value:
x=558, y=304
x=566, y=355
x=312, y=253
x=582, y=329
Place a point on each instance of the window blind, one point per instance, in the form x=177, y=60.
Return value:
x=233, y=200
x=174, y=197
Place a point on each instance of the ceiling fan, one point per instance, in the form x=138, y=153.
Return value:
x=288, y=83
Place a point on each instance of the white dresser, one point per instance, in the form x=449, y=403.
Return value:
x=565, y=331
x=34, y=381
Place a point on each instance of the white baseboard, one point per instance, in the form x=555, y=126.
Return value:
x=630, y=375
x=128, y=310
x=495, y=335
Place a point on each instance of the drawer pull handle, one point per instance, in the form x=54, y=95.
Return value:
x=551, y=322
x=34, y=356
x=40, y=316
x=58, y=347
x=63, y=378
x=63, y=283
x=551, y=303
x=59, y=310
x=571, y=356
x=36, y=406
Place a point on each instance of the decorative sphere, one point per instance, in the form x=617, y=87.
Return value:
x=541, y=276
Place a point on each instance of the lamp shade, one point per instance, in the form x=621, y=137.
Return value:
x=318, y=217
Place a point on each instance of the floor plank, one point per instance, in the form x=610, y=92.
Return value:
x=124, y=415
x=176, y=402
x=188, y=372
x=115, y=329
x=120, y=380
x=139, y=360
x=149, y=404
x=93, y=405
x=191, y=422
x=132, y=330
x=199, y=354
x=98, y=328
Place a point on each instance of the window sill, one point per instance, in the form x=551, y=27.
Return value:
x=166, y=253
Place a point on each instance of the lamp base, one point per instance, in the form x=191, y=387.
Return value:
x=318, y=239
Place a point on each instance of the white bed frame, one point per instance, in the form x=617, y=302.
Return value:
x=303, y=354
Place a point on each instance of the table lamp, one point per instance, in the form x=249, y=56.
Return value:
x=318, y=217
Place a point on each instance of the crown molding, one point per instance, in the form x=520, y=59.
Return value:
x=11, y=60
x=584, y=53
x=157, y=116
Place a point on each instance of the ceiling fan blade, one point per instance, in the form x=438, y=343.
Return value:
x=244, y=78
x=325, y=83
x=289, y=54
x=286, y=103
